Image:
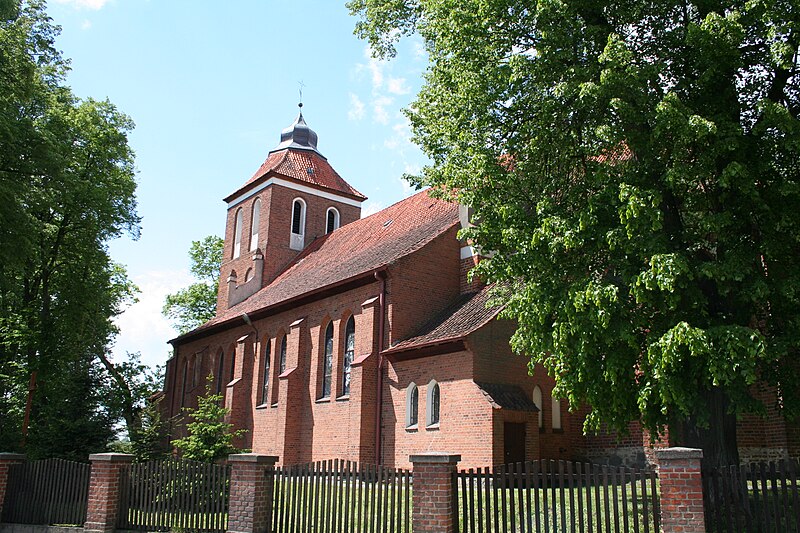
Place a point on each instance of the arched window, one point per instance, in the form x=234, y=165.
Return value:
x=537, y=400
x=432, y=412
x=332, y=220
x=327, y=362
x=220, y=371
x=412, y=405
x=237, y=235
x=556, y=413
x=349, y=351
x=297, y=240
x=254, y=223
x=265, y=387
x=282, y=366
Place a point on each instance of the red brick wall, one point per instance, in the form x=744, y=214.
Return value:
x=763, y=438
x=681, y=491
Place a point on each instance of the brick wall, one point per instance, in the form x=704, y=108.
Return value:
x=681, y=490
x=104, y=486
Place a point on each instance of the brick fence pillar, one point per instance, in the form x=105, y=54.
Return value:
x=252, y=488
x=6, y=460
x=681, y=490
x=104, y=485
x=433, y=497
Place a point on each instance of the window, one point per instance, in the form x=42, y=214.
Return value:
x=220, y=371
x=296, y=240
x=282, y=366
x=254, y=223
x=233, y=365
x=332, y=220
x=537, y=400
x=432, y=412
x=556, y=413
x=198, y=369
x=349, y=351
x=267, y=356
x=237, y=235
x=185, y=377
x=327, y=362
x=412, y=405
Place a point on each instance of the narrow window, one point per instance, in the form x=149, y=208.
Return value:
x=556, y=413
x=412, y=405
x=282, y=367
x=537, y=400
x=433, y=404
x=220, y=371
x=332, y=220
x=198, y=369
x=267, y=356
x=237, y=235
x=298, y=217
x=254, y=223
x=327, y=362
x=233, y=365
x=185, y=377
x=349, y=351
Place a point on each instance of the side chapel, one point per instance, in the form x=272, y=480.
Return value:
x=356, y=338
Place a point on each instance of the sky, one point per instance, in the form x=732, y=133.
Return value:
x=210, y=86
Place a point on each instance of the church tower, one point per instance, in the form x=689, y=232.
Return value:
x=294, y=198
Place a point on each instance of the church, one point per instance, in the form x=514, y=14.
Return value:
x=363, y=339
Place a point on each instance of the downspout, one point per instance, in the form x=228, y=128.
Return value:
x=381, y=277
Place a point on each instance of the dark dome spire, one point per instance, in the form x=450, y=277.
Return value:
x=298, y=136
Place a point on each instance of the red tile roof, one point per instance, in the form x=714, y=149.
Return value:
x=294, y=165
x=355, y=249
x=461, y=318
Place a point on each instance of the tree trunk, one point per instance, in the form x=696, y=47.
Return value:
x=718, y=440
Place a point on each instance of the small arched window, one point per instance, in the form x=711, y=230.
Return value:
x=432, y=412
x=220, y=371
x=556, y=413
x=255, y=220
x=332, y=220
x=537, y=400
x=412, y=405
x=265, y=387
x=297, y=239
x=237, y=235
x=327, y=362
x=282, y=366
x=349, y=352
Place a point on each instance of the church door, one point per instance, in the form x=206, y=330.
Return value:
x=514, y=442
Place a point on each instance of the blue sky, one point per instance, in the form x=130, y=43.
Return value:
x=210, y=86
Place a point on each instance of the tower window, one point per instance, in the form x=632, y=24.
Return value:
x=297, y=241
x=254, y=223
x=332, y=220
x=349, y=351
x=237, y=235
x=432, y=413
x=327, y=362
x=412, y=405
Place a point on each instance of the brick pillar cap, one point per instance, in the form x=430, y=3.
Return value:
x=435, y=457
x=679, y=453
x=5, y=456
x=111, y=457
x=252, y=458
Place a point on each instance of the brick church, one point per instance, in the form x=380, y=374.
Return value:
x=356, y=338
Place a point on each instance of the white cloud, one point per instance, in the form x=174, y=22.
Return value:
x=371, y=208
x=94, y=5
x=379, y=111
x=142, y=326
x=356, y=111
x=408, y=189
x=86, y=24
x=398, y=86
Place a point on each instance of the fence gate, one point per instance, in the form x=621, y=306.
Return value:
x=759, y=497
x=174, y=494
x=341, y=496
x=557, y=496
x=47, y=492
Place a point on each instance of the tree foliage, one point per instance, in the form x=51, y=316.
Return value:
x=635, y=168
x=209, y=437
x=67, y=187
x=197, y=303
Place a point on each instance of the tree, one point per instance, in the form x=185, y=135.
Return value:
x=209, y=437
x=635, y=169
x=197, y=303
x=67, y=187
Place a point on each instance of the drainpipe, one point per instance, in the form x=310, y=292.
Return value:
x=381, y=277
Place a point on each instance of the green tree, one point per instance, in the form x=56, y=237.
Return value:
x=635, y=168
x=209, y=437
x=67, y=187
x=197, y=303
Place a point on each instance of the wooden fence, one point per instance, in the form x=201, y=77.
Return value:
x=174, y=494
x=756, y=497
x=341, y=497
x=557, y=496
x=47, y=492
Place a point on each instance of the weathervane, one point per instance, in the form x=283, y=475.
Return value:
x=301, y=84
